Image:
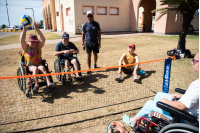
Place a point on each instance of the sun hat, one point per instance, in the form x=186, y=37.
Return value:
x=33, y=38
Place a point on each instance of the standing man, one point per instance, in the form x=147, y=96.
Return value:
x=91, y=30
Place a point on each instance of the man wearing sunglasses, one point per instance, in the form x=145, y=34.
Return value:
x=91, y=35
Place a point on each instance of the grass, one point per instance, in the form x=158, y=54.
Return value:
x=12, y=39
x=98, y=89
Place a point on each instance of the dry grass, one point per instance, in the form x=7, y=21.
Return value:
x=12, y=39
x=97, y=90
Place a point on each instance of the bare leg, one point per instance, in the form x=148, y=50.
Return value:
x=75, y=64
x=134, y=120
x=95, y=57
x=34, y=71
x=43, y=70
x=67, y=68
x=89, y=60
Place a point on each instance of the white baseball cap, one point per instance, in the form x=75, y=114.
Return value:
x=89, y=12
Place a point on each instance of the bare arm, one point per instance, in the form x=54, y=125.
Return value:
x=120, y=63
x=24, y=45
x=42, y=38
x=176, y=104
x=56, y=53
x=136, y=66
x=99, y=38
x=83, y=37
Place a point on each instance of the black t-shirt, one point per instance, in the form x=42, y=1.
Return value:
x=91, y=31
x=60, y=47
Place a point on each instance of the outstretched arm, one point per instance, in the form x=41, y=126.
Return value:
x=24, y=45
x=42, y=38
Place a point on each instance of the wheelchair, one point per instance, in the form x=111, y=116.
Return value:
x=23, y=82
x=60, y=67
x=161, y=125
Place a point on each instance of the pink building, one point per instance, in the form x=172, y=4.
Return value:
x=112, y=15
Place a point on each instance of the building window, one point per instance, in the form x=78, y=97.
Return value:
x=88, y=8
x=179, y=18
x=68, y=11
x=114, y=11
x=101, y=10
x=57, y=13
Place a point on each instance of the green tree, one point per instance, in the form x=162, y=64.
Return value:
x=185, y=7
x=41, y=22
x=3, y=26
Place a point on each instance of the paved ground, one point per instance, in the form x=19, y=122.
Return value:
x=76, y=37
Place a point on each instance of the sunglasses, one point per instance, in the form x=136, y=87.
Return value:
x=193, y=61
x=89, y=16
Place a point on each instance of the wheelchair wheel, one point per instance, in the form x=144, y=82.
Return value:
x=179, y=128
x=57, y=69
x=21, y=81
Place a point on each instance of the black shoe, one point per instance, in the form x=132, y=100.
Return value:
x=79, y=78
x=35, y=90
x=88, y=72
x=95, y=66
x=69, y=80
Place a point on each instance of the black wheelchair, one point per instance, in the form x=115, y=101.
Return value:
x=161, y=125
x=60, y=67
x=23, y=82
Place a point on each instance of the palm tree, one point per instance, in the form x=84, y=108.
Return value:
x=185, y=7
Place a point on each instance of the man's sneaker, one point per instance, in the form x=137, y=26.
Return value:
x=95, y=66
x=135, y=79
x=118, y=78
x=79, y=78
x=88, y=72
x=52, y=84
x=69, y=80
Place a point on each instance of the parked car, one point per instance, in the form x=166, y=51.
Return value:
x=41, y=26
x=11, y=28
x=18, y=27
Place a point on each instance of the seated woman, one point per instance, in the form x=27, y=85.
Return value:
x=128, y=58
x=32, y=54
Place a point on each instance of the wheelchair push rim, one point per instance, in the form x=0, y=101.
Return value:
x=21, y=81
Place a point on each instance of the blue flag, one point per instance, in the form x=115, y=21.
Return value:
x=166, y=76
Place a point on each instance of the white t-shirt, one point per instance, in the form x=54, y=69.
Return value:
x=191, y=98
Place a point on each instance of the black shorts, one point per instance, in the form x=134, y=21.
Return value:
x=126, y=71
x=67, y=58
x=92, y=47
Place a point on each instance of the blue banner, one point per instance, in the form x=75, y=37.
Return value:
x=166, y=76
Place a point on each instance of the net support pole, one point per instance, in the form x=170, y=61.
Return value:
x=166, y=76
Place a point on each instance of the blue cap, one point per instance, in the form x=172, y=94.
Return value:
x=65, y=35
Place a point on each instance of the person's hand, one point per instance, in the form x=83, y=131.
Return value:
x=25, y=27
x=83, y=47
x=67, y=52
x=36, y=25
x=119, y=127
x=71, y=51
x=99, y=46
x=177, y=95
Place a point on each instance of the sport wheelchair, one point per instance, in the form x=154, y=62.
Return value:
x=161, y=125
x=60, y=67
x=22, y=82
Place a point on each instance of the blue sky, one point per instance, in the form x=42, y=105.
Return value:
x=16, y=8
